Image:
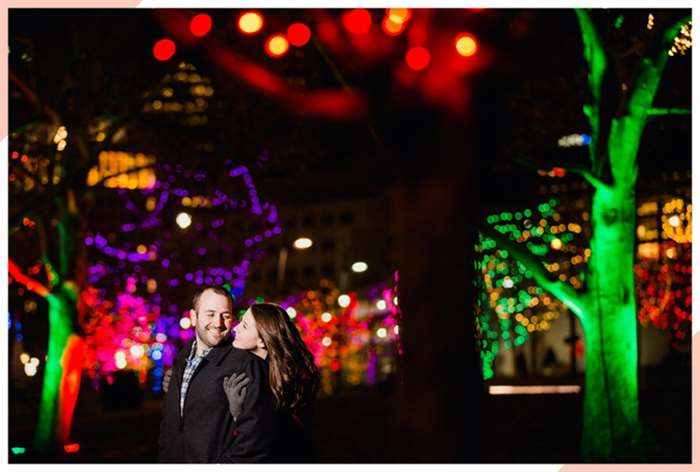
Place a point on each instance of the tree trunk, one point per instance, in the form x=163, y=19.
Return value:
x=611, y=426
x=62, y=310
x=441, y=388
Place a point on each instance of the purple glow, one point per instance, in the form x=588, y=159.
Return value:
x=165, y=263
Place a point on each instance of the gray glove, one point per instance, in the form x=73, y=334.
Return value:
x=235, y=390
x=166, y=379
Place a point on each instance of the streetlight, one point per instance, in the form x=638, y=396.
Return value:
x=301, y=244
x=183, y=220
x=359, y=266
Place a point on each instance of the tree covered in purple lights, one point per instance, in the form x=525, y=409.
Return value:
x=191, y=228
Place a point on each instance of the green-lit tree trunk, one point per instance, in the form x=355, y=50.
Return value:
x=62, y=310
x=607, y=307
x=611, y=427
x=64, y=357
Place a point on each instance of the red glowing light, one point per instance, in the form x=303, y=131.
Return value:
x=71, y=448
x=277, y=46
x=418, y=58
x=298, y=34
x=357, y=21
x=200, y=25
x=164, y=49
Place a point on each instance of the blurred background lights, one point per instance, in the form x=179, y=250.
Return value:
x=277, y=46
x=417, y=58
x=200, y=25
x=120, y=359
x=30, y=369
x=343, y=300
x=250, y=22
x=298, y=34
x=183, y=220
x=466, y=45
x=357, y=21
x=164, y=49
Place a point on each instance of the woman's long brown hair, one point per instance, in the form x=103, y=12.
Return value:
x=294, y=378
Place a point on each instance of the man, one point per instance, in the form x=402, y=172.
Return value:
x=196, y=424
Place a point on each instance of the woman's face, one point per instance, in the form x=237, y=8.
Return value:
x=247, y=336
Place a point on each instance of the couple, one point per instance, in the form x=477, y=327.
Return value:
x=246, y=401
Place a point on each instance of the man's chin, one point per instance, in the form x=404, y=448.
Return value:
x=216, y=340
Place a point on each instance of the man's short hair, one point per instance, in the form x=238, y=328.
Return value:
x=217, y=290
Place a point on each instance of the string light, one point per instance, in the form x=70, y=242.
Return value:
x=417, y=58
x=164, y=49
x=277, y=46
x=357, y=21
x=250, y=22
x=683, y=41
x=298, y=34
x=200, y=25
x=465, y=44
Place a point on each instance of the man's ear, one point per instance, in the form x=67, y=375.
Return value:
x=193, y=317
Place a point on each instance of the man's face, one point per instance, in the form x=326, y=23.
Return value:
x=212, y=320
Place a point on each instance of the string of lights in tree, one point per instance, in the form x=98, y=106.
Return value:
x=510, y=305
x=662, y=270
x=351, y=335
x=664, y=291
x=428, y=58
x=173, y=234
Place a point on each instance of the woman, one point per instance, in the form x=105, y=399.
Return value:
x=267, y=331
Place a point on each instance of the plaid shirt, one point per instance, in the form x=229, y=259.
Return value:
x=193, y=362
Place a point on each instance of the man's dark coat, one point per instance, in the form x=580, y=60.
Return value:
x=206, y=431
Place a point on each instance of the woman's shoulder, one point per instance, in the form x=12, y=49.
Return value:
x=246, y=358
